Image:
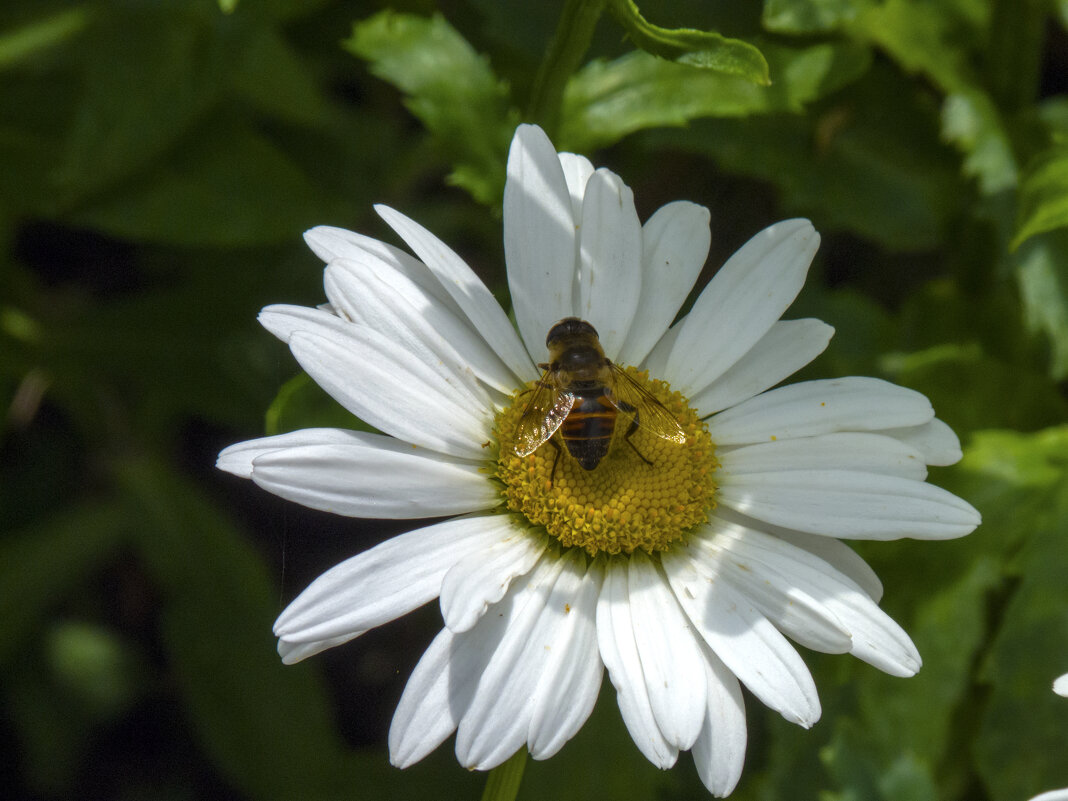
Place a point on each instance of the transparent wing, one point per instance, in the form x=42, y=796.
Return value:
x=546, y=411
x=628, y=395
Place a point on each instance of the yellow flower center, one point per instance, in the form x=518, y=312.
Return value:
x=623, y=503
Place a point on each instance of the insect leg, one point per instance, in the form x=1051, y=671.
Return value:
x=556, y=460
x=630, y=430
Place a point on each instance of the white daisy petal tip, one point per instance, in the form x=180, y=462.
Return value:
x=1060, y=685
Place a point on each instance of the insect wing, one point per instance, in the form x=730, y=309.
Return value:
x=545, y=413
x=628, y=395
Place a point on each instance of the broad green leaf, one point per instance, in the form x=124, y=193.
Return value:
x=29, y=39
x=1014, y=51
x=301, y=403
x=1043, y=199
x=149, y=75
x=810, y=16
x=1021, y=731
x=869, y=163
x=1041, y=266
x=702, y=49
x=972, y=123
x=605, y=101
x=449, y=87
x=227, y=187
x=271, y=76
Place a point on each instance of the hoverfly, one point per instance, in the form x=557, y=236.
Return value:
x=580, y=393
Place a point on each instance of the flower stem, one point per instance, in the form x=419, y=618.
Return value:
x=565, y=53
x=504, y=780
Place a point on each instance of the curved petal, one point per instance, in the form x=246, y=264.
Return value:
x=809, y=408
x=570, y=682
x=238, y=458
x=615, y=638
x=827, y=549
x=497, y=723
x=847, y=450
x=747, y=642
x=675, y=242
x=470, y=294
x=577, y=171
x=719, y=751
x=876, y=638
x=337, y=244
x=741, y=302
x=482, y=578
x=1060, y=685
x=384, y=583
x=539, y=237
x=373, y=476
x=939, y=445
x=395, y=306
x=293, y=652
x=851, y=505
x=787, y=347
x=610, y=250
x=670, y=657
x=386, y=386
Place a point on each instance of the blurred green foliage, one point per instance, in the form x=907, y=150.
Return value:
x=159, y=162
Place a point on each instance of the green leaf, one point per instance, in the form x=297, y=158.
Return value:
x=450, y=88
x=1043, y=198
x=1041, y=267
x=227, y=187
x=972, y=123
x=702, y=49
x=276, y=80
x=28, y=40
x=1018, y=746
x=810, y=16
x=605, y=101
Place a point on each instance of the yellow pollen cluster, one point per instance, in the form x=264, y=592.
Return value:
x=623, y=503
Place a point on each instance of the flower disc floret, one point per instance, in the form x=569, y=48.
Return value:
x=625, y=502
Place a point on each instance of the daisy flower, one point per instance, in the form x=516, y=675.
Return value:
x=680, y=566
x=1060, y=686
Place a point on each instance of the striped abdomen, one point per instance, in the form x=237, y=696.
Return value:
x=587, y=431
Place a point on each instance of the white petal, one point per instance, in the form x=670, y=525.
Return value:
x=497, y=722
x=851, y=505
x=470, y=294
x=610, y=251
x=482, y=578
x=577, y=171
x=1052, y=795
x=443, y=684
x=862, y=452
x=402, y=310
x=787, y=347
x=809, y=408
x=293, y=652
x=876, y=638
x=675, y=242
x=571, y=680
x=386, y=386
x=834, y=552
x=238, y=458
x=1060, y=685
x=425, y=715
x=374, y=476
x=337, y=244
x=719, y=752
x=747, y=642
x=384, y=583
x=939, y=445
x=793, y=611
x=670, y=656
x=539, y=237
x=656, y=361
x=741, y=302
x=615, y=637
